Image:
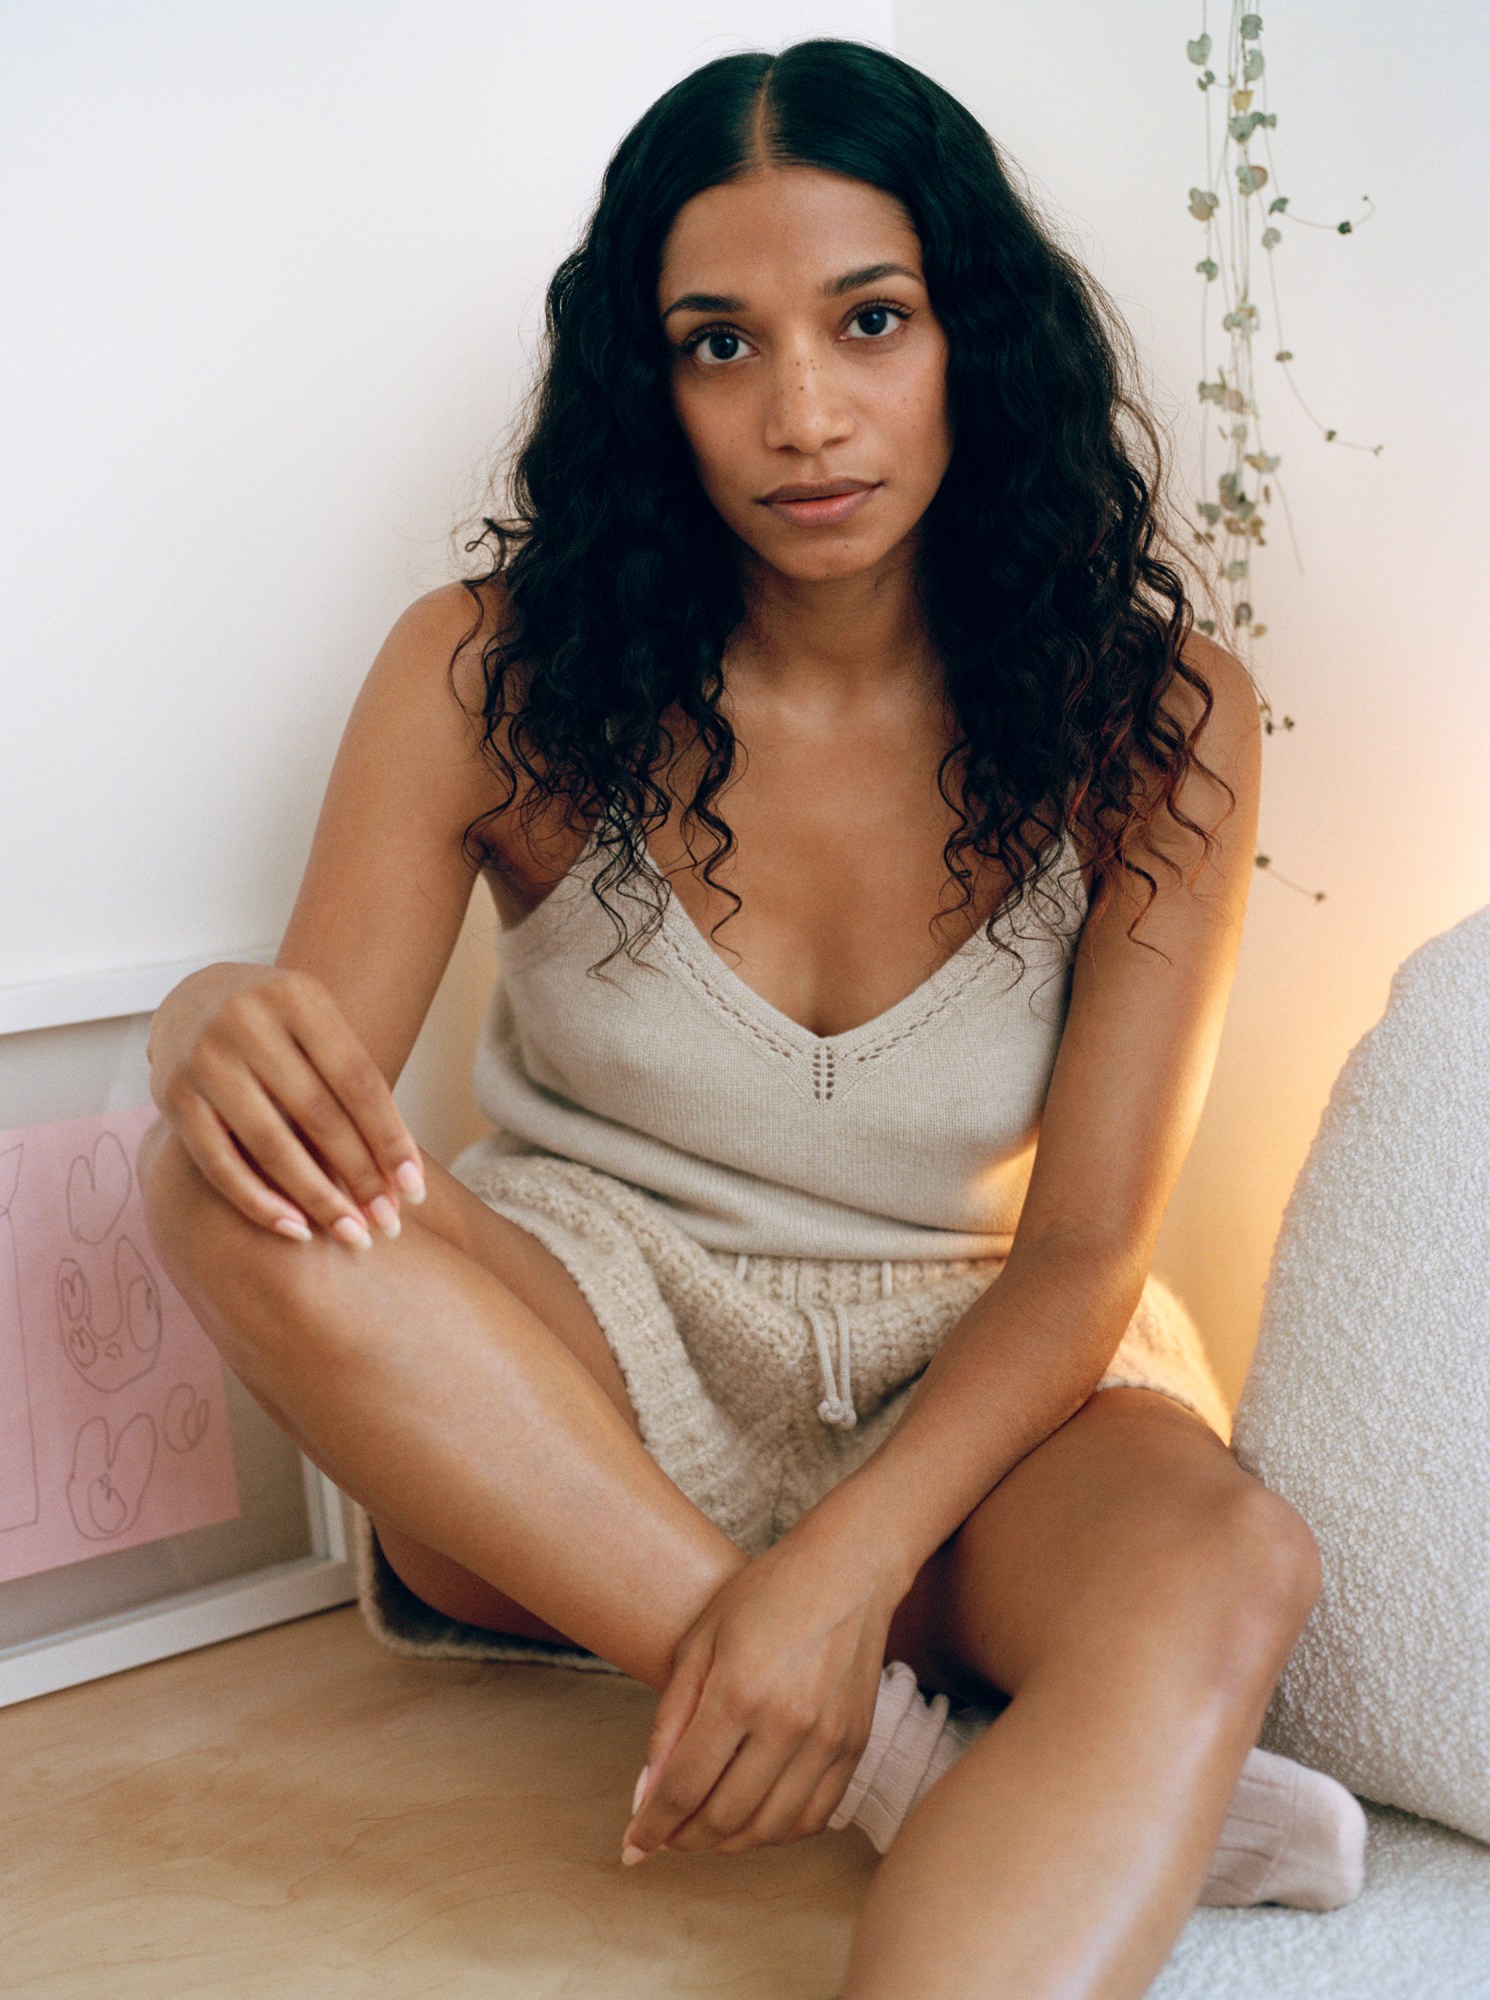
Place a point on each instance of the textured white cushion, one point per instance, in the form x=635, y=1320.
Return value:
x=1368, y=1401
x=1417, y=1931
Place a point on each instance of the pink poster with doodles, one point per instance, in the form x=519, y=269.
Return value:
x=113, y=1416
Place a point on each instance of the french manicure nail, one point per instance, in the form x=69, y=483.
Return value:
x=347, y=1229
x=631, y=1855
x=641, y=1786
x=384, y=1214
x=291, y=1225
x=410, y=1179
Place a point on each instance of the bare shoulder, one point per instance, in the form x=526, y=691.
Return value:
x=448, y=634
x=439, y=649
x=449, y=629
x=1215, y=706
x=1234, y=710
x=1207, y=822
x=415, y=744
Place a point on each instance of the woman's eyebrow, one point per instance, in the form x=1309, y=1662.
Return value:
x=835, y=288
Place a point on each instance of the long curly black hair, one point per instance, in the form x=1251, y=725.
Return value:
x=1057, y=622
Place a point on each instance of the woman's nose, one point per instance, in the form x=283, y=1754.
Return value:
x=804, y=410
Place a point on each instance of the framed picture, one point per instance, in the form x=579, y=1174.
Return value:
x=147, y=1504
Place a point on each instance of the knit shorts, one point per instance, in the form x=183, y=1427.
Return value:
x=758, y=1382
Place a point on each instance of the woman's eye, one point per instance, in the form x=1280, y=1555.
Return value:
x=705, y=344
x=885, y=316
x=717, y=345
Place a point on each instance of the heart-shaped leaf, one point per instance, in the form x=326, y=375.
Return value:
x=97, y=1189
x=109, y=1476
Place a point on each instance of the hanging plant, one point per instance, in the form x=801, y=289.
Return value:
x=1230, y=206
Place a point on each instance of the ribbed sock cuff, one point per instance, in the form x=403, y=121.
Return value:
x=912, y=1741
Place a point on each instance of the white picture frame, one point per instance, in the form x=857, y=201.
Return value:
x=175, y=1621
x=191, y=1618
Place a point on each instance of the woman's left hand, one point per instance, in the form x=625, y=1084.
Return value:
x=769, y=1705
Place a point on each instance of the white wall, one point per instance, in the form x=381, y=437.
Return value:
x=274, y=277
x=1380, y=648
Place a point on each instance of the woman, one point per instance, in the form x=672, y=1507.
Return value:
x=758, y=1354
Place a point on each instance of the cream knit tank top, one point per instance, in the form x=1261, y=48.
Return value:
x=910, y=1136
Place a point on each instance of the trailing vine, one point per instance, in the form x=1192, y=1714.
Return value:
x=1230, y=206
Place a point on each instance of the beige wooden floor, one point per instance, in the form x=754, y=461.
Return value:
x=298, y=1814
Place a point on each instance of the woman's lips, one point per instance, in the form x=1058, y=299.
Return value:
x=822, y=513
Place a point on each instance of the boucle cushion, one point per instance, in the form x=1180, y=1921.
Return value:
x=1368, y=1401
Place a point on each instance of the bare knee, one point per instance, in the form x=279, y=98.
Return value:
x=1228, y=1609
x=1203, y=1576
x=178, y=1199
x=241, y=1281
x=1272, y=1564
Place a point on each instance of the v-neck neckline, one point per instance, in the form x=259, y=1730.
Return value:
x=925, y=997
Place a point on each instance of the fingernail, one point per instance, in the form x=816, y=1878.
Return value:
x=641, y=1786
x=410, y=1179
x=631, y=1855
x=347, y=1229
x=291, y=1225
x=384, y=1214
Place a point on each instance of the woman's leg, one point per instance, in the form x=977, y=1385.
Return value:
x=532, y=1271
x=457, y=1384
x=1138, y=1595
x=432, y=1389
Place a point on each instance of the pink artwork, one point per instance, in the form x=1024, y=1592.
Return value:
x=113, y=1416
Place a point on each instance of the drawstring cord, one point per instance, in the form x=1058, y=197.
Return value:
x=837, y=1406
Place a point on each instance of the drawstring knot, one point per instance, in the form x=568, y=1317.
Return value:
x=837, y=1406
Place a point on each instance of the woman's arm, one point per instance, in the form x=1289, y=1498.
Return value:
x=386, y=885
x=311, y=1047
x=1130, y=1080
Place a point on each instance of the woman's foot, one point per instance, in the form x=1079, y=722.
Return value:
x=1291, y=1835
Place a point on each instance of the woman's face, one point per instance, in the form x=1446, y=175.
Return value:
x=805, y=353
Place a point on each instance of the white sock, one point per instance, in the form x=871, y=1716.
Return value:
x=1291, y=1835
x=905, y=1735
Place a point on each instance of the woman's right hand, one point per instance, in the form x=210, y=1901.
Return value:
x=268, y=1086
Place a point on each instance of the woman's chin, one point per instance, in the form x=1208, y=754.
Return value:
x=838, y=563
